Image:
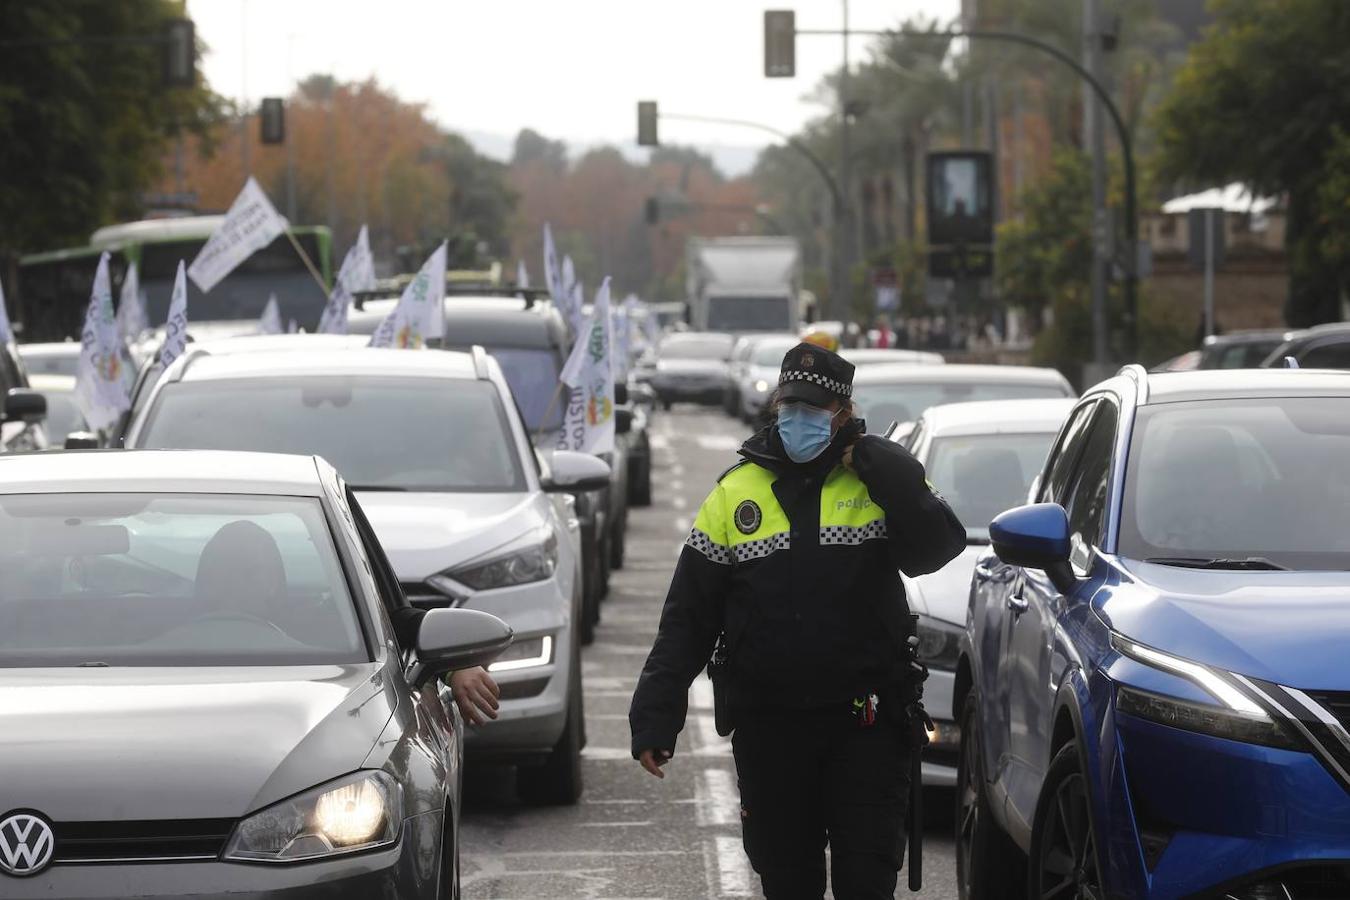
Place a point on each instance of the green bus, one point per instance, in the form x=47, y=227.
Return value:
x=52, y=289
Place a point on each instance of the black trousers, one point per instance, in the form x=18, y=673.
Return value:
x=818, y=778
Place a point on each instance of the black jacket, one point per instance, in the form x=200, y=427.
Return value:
x=798, y=564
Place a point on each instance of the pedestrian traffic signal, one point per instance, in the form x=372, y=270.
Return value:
x=647, y=124
x=180, y=53
x=780, y=43
x=272, y=120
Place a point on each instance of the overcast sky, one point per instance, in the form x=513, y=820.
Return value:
x=571, y=69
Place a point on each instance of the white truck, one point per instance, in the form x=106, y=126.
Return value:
x=744, y=284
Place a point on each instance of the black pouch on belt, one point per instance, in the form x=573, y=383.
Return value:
x=717, y=673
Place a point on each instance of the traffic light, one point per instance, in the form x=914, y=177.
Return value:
x=647, y=124
x=653, y=211
x=272, y=120
x=780, y=43
x=180, y=53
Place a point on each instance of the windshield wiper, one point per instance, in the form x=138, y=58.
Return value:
x=376, y=487
x=1254, y=563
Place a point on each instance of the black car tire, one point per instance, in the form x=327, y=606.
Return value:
x=1065, y=790
x=449, y=887
x=640, y=483
x=606, y=548
x=618, y=545
x=989, y=865
x=558, y=781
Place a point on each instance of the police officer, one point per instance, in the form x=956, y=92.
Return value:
x=793, y=562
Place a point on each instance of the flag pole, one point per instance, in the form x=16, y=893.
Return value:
x=557, y=392
x=304, y=257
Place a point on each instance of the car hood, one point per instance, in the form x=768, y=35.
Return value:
x=423, y=534
x=1291, y=628
x=691, y=367
x=119, y=744
x=943, y=594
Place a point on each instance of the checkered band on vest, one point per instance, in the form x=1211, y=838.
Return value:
x=709, y=548
x=828, y=383
x=852, y=534
x=762, y=547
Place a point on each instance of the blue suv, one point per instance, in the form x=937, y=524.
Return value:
x=1154, y=681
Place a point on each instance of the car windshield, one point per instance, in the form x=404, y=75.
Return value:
x=532, y=373
x=905, y=401
x=1235, y=479
x=413, y=434
x=982, y=475
x=771, y=353
x=171, y=580
x=695, y=348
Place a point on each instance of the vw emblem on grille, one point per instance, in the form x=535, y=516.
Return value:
x=26, y=844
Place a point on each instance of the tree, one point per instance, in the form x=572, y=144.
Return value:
x=83, y=125
x=1258, y=101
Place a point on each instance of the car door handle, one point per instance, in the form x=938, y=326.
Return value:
x=1017, y=603
x=996, y=574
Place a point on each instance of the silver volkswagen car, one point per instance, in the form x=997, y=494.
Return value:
x=470, y=515
x=210, y=685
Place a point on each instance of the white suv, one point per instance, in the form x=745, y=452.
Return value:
x=468, y=514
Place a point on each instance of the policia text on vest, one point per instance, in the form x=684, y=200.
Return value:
x=796, y=564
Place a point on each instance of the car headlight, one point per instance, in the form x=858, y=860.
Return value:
x=761, y=386
x=939, y=644
x=1236, y=716
x=358, y=812
x=525, y=566
x=524, y=654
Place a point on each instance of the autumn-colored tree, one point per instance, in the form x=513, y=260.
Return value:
x=362, y=155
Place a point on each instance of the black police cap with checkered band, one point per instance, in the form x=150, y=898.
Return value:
x=814, y=375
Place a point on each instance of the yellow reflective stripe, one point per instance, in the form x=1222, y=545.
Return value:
x=712, y=519
x=845, y=503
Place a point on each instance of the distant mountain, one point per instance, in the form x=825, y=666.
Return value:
x=731, y=160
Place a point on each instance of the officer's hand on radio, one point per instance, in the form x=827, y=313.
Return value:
x=475, y=693
x=653, y=760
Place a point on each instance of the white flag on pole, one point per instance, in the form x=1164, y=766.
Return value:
x=292, y=327
x=420, y=313
x=175, y=329
x=590, y=373
x=357, y=274
x=6, y=332
x=100, y=388
x=250, y=225
x=270, y=323
x=131, y=319
x=552, y=269
x=522, y=275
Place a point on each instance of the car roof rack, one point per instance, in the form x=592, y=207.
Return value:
x=1139, y=375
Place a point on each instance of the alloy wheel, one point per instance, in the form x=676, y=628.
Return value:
x=1068, y=857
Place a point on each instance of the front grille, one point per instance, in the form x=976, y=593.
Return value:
x=424, y=596
x=85, y=842
x=1335, y=702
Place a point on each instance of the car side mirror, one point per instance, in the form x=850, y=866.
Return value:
x=576, y=472
x=642, y=395
x=1035, y=537
x=24, y=405
x=623, y=420
x=81, y=440
x=452, y=639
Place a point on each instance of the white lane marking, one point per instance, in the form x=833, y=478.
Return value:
x=677, y=485
x=660, y=441
x=677, y=469
x=613, y=824
x=701, y=694
x=733, y=869
x=679, y=502
x=718, y=442
x=707, y=742
x=683, y=523
x=606, y=754
x=716, y=798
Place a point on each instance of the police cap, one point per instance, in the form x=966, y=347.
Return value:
x=814, y=375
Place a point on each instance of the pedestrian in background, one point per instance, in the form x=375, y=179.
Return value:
x=791, y=572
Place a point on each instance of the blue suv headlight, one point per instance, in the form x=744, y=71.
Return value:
x=1236, y=717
